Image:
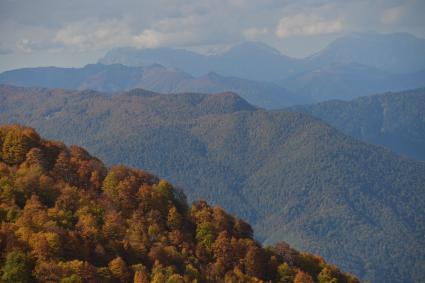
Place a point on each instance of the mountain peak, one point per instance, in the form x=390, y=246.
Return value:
x=254, y=46
x=226, y=102
x=392, y=52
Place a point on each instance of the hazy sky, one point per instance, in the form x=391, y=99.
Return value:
x=77, y=32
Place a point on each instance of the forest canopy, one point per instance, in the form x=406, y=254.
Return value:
x=66, y=217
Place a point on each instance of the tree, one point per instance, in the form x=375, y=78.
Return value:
x=222, y=221
x=326, y=276
x=287, y=253
x=285, y=274
x=165, y=189
x=140, y=274
x=243, y=229
x=303, y=277
x=114, y=227
x=64, y=169
x=110, y=184
x=17, y=268
x=74, y=278
x=35, y=157
x=16, y=144
x=205, y=235
x=174, y=219
x=175, y=278
x=222, y=250
x=255, y=263
x=45, y=245
x=119, y=269
x=158, y=274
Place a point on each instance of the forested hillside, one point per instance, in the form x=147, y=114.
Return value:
x=394, y=120
x=292, y=176
x=66, y=217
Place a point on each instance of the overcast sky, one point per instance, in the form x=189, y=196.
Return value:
x=77, y=32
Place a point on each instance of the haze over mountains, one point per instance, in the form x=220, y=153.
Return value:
x=348, y=81
x=355, y=65
x=305, y=119
x=250, y=60
x=392, y=52
x=294, y=177
x=117, y=77
x=395, y=53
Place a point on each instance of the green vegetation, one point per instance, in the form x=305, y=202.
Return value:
x=77, y=221
x=394, y=120
x=292, y=176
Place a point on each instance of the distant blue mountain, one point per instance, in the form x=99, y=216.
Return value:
x=395, y=52
x=354, y=65
x=117, y=78
x=348, y=81
x=249, y=60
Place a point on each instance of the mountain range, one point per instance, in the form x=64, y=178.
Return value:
x=348, y=81
x=250, y=60
x=394, y=120
x=393, y=53
x=117, y=78
x=354, y=65
x=292, y=176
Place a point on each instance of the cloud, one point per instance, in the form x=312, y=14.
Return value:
x=255, y=33
x=89, y=34
x=303, y=24
x=83, y=27
x=94, y=34
x=27, y=45
x=392, y=15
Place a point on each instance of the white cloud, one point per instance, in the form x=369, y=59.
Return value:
x=87, y=27
x=91, y=34
x=94, y=34
x=307, y=24
x=27, y=45
x=152, y=38
x=255, y=33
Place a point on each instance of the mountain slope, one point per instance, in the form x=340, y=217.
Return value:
x=393, y=52
x=394, y=120
x=354, y=65
x=292, y=176
x=65, y=217
x=348, y=81
x=248, y=60
x=115, y=78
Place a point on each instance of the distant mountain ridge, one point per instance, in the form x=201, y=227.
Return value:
x=394, y=120
x=354, y=65
x=293, y=176
x=117, y=78
x=249, y=60
x=348, y=81
x=393, y=53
